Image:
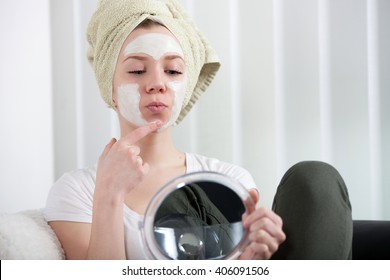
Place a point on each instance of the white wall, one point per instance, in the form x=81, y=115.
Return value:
x=301, y=80
x=26, y=142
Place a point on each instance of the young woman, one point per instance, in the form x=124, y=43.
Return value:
x=151, y=64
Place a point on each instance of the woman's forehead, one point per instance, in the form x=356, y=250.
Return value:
x=154, y=43
x=147, y=30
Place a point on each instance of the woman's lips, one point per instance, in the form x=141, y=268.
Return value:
x=156, y=107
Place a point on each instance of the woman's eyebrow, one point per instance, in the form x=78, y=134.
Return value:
x=144, y=58
x=137, y=57
x=173, y=56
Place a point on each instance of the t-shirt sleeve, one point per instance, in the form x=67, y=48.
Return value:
x=243, y=176
x=202, y=163
x=70, y=199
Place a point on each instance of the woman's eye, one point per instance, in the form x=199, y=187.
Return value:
x=136, y=72
x=173, y=72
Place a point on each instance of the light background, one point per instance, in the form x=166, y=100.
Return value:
x=301, y=80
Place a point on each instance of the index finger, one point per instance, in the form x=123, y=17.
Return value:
x=139, y=133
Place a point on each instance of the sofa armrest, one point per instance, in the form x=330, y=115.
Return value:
x=27, y=236
x=371, y=240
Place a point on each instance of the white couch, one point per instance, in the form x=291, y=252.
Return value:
x=27, y=236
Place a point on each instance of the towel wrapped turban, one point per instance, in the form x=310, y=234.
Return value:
x=114, y=20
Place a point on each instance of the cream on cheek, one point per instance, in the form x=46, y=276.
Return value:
x=129, y=99
x=179, y=92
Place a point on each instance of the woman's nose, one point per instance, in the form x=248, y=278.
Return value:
x=156, y=83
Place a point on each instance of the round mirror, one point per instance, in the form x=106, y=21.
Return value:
x=197, y=216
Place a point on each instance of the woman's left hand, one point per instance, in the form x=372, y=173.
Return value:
x=265, y=233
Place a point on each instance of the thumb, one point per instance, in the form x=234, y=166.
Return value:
x=254, y=193
x=251, y=202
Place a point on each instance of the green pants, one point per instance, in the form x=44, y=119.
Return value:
x=312, y=200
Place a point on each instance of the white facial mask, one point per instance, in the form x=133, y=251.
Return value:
x=153, y=44
x=179, y=91
x=129, y=99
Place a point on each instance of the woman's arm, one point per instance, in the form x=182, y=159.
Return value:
x=103, y=239
x=107, y=231
x=74, y=238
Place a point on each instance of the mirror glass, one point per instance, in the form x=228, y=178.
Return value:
x=197, y=216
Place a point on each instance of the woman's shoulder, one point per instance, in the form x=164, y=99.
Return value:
x=196, y=163
x=70, y=197
x=77, y=180
x=82, y=173
x=83, y=176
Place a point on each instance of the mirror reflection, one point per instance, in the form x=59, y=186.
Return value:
x=199, y=220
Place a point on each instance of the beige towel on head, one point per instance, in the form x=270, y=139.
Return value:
x=114, y=20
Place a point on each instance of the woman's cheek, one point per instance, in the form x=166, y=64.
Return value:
x=179, y=91
x=129, y=99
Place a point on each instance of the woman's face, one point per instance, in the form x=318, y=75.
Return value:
x=150, y=77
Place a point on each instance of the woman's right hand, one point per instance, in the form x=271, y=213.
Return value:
x=120, y=167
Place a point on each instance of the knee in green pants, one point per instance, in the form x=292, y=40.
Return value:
x=312, y=200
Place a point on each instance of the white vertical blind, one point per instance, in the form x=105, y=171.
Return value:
x=374, y=109
x=261, y=141
x=384, y=70
x=325, y=80
x=78, y=90
x=280, y=87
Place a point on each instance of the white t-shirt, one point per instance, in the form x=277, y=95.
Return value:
x=70, y=198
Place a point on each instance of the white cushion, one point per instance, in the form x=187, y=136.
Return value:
x=27, y=236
